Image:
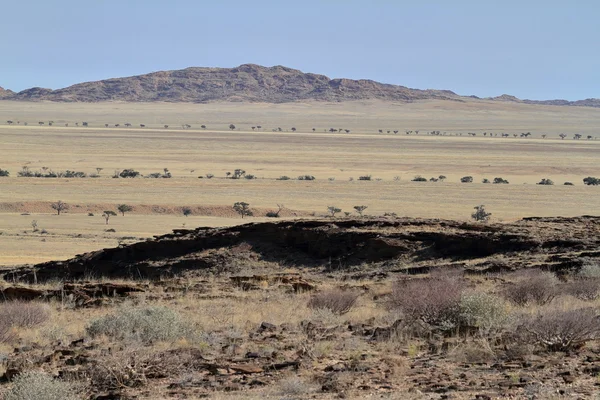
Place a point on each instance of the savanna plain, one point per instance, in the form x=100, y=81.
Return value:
x=406, y=297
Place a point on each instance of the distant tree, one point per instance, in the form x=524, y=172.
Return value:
x=242, y=208
x=562, y=136
x=499, y=180
x=442, y=178
x=59, y=206
x=117, y=125
x=258, y=127
x=360, y=209
x=106, y=125
x=238, y=173
x=9, y=122
x=142, y=126
x=293, y=129
x=589, y=137
x=127, y=124
x=279, y=129
x=129, y=173
x=347, y=130
x=543, y=136
x=577, y=136
x=166, y=126
x=123, y=208
x=4, y=172
x=419, y=178
x=481, y=214
x=466, y=179
x=232, y=126
x=591, y=181
x=253, y=128
x=107, y=214
x=84, y=123
x=227, y=174
x=203, y=126
x=332, y=210
x=40, y=123
x=485, y=180
x=314, y=129
x=381, y=131
x=98, y=170
x=275, y=214
x=186, y=211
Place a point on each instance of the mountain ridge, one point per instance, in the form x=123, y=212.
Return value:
x=248, y=83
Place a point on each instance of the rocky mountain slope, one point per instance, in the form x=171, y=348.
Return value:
x=248, y=83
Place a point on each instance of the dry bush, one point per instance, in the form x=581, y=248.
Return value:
x=336, y=300
x=473, y=352
x=37, y=385
x=146, y=325
x=24, y=314
x=435, y=301
x=559, y=330
x=135, y=366
x=587, y=289
x=533, y=287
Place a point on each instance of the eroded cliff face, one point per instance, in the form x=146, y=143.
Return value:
x=355, y=246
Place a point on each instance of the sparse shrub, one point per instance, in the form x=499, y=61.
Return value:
x=90, y=214
x=154, y=175
x=186, y=211
x=336, y=300
x=275, y=214
x=534, y=286
x=590, y=270
x=499, y=180
x=73, y=174
x=442, y=178
x=364, y=178
x=146, y=325
x=59, y=206
x=546, y=181
x=396, y=178
x=480, y=214
x=466, y=179
x=38, y=385
x=587, y=289
x=559, y=330
x=433, y=179
x=306, y=178
x=435, y=301
x=24, y=314
x=237, y=173
x=485, y=180
x=568, y=184
x=591, y=181
x=487, y=312
x=283, y=178
x=209, y=176
x=4, y=172
x=293, y=387
x=250, y=176
x=419, y=178
x=129, y=173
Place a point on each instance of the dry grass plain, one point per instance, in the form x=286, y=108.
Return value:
x=194, y=152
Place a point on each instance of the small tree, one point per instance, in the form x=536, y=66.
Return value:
x=293, y=129
x=442, y=178
x=360, y=209
x=466, y=179
x=232, y=126
x=123, y=208
x=591, y=181
x=481, y=214
x=242, y=208
x=186, y=211
x=546, y=181
x=59, y=206
x=107, y=214
x=333, y=210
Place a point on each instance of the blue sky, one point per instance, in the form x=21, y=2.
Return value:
x=529, y=48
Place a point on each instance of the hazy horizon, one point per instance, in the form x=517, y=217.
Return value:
x=538, y=50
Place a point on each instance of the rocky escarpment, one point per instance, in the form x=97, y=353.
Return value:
x=409, y=245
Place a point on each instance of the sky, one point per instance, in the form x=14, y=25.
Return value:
x=534, y=49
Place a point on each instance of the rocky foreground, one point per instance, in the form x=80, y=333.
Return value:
x=365, y=308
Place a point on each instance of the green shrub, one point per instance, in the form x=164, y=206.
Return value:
x=466, y=179
x=484, y=311
x=546, y=181
x=364, y=178
x=499, y=180
x=4, y=172
x=306, y=178
x=419, y=178
x=37, y=385
x=129, y=173
x=147, y=325
x=568, y=183
x=591, y=181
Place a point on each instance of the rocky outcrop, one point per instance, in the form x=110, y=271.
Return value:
x=551, y=243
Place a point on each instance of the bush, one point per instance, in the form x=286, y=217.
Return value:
x=590, y=270
x=587, y=289
x=419, y=178
x=283, y=178
x=129, y=173
x=154, y=175
x=484, y=311
x=481, y=214
x=568, y=184
x=562, y=330
x=336, y=300
x=435, y=301
x=534, y=287
x=146, y=325
x=4, y=172
x=485, y=180
x=545, y=181
x=364, y=178
x=499, y=180
x=37, y=385
x=306, y=178
x=466, y=179
x=591, y=181
x=24, y=314
x=249, y=176
x=210, y=176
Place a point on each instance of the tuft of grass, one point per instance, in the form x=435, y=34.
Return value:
x=336, y=300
